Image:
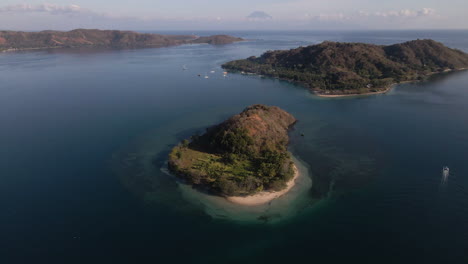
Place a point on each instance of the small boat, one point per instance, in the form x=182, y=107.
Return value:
x=184, y=68
x=212, y=71
x=445, y=171
x=207, y=77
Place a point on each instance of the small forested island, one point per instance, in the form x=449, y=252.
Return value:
x=245, y=155
x=337, y=69
x=94, y=38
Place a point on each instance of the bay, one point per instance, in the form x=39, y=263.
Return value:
x=69, y=118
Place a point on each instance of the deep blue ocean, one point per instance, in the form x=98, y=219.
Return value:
x=84, y=137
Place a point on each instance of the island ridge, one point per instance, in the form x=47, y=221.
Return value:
x=336, y=69
x=94, y=38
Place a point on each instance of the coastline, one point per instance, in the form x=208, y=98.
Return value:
x=317, y=92
x=191, y=41
x=388, y=89
x=264, y=197
x=90, y=47
x=355, y=94
x=281, y=208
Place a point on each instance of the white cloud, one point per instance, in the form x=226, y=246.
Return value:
x=407, y=13
x=404, y=18
x=331, y=17
x=427, y=12
x=259, y=15
x=304, y=14
x=382, y=15
x=43, y=8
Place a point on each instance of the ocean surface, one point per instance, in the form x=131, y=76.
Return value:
x=84, y=138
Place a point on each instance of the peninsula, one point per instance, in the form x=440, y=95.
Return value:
x=340, y=69
x=244, y=159
x=94, y=38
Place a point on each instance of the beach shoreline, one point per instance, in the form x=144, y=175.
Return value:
x=354, y=94
x=265, y=197
x=386, y=90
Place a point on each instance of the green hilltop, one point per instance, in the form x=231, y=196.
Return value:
x=241, y=156
x=350, y=68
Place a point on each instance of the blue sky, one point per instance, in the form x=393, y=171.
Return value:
x=232, y=15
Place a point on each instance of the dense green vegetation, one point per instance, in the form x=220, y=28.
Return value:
x=340, y=68
x=241, y=156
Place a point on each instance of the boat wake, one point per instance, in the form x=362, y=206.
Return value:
x=445, y=175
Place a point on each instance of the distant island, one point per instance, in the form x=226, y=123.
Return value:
x=245, y=158
x=340, y=69
x=94, y=38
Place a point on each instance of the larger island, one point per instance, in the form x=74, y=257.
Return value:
x=336, y=69
x=244, y=155
x=79, y=38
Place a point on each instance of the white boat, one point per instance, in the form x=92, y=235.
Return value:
x=184, y=68
x=212, y=71
x=445, y=171
x=206, y=76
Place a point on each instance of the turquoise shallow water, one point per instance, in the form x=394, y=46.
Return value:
x=84, y=135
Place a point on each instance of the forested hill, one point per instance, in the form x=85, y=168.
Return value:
x=333, y=67
x=243, y=155
x=16, y=40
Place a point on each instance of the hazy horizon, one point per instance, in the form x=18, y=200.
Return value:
x=178, y=15
x=244, y=30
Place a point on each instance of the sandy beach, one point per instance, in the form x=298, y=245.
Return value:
x=383, y=91
x=264, y=197
x=356, y=94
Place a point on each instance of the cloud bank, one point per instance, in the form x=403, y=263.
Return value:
x=43, y=8
x=259, y=15
x=66, y=17
x=408, y=13
x=404, y=13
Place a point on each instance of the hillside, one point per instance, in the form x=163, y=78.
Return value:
x=350, y=68
x=241, y=156
x=15, y=40
x=217, y=39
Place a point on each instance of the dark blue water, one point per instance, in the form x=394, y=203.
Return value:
x=72, y=122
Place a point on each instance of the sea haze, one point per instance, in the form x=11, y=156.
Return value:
x=85, y=135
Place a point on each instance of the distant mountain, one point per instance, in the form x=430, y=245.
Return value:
x=16, y=40
x=354, y=68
